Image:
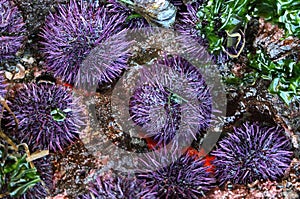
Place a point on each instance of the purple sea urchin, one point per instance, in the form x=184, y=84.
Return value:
x=115, y=186
x=252, y=153
x=188, y=21
x=12, y=29
x=2, y=86
x=153, y=108
x=171, y=96
x=71, y=34
x=140, y=14
x=49, y=116
x=185, y=177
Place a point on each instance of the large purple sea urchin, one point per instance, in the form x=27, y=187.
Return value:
x=49, y=116
x=114, y=186
x=185, y=177
x=71, y=34
x=252, y=153
x=12, y=29
x=171, y=97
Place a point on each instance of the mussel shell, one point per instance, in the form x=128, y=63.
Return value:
x=158, y=12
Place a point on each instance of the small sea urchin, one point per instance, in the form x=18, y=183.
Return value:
x=252, y=153
x=49, y=116
x=185, y=177
x=171, y=95
x=71, y=34
x=114, y=186
x=12, y=29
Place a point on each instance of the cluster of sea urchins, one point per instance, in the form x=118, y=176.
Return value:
x=171, y=97
x=71, y=34
x=167, y=176
x=252, y=153
x=12, y=29
x=49, y=116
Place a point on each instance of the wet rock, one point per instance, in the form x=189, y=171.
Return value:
x=71, y=168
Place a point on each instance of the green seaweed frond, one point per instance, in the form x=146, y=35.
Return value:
x=283, y=74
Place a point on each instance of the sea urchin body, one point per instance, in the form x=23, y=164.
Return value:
x=49, y=116
x=252, y=153
x=186, y=177
x=171, y=97
x=71, y=34
x=114, y=186
x=12, y=29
